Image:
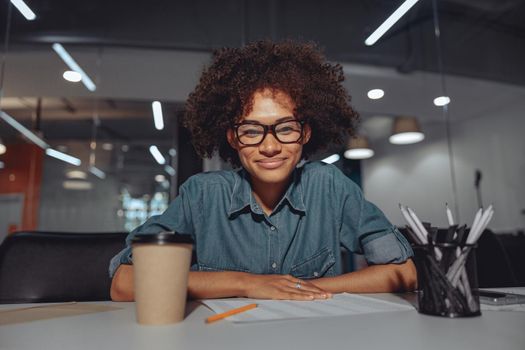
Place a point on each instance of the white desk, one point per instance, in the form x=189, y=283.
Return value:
x=494, y=330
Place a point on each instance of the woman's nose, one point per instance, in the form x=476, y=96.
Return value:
x=270, y=145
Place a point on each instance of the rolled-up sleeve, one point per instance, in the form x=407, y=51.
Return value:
x=177, y=218
x=365, y=229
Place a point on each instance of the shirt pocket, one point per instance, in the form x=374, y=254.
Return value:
x=318, y=265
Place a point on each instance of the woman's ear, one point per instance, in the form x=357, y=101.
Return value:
x=230, y=136
x=307, y=133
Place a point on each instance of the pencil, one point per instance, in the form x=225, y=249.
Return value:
x=230, y=313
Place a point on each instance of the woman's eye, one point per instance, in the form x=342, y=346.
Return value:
x=251, y=132
x=285, y=130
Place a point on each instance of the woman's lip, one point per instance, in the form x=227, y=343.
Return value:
x=271, y=163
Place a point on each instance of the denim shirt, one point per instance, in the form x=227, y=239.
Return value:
x=321, y=211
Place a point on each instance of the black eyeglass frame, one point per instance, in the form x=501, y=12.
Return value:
x=267, y=128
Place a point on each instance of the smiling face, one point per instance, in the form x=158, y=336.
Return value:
x=270, y=162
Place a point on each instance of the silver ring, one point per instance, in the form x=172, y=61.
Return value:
x=298, y=285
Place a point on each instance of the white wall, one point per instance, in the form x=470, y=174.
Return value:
x=491, y=139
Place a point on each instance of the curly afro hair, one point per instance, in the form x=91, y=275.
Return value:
x=226, y=88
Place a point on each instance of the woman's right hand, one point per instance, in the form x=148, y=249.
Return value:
x=284, y=287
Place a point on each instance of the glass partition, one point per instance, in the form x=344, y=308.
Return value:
x=471, y=154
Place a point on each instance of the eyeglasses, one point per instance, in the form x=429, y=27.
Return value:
x=250, y=133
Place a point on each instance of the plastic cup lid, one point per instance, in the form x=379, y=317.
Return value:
x=162, y=238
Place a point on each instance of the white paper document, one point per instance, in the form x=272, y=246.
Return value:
x=270, y=310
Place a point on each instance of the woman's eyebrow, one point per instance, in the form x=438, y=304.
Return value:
x=287, y=118
x=291, y=117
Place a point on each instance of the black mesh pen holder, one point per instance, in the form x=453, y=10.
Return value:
x=447, y=279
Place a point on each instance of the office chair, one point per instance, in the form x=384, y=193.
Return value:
x=57, y=267
x=495, y=268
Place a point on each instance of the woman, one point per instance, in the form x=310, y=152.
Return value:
x=273, y=230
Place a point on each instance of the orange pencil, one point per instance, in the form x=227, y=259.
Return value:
x=230, y=313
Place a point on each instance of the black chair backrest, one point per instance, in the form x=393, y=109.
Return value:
x=57, y=267
x=494, y=267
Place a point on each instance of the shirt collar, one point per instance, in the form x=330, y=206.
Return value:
x=242, y=196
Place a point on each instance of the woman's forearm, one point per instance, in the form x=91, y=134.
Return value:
x=201, y=285
x=209, y=285
x=373, y=279
x=122, y=284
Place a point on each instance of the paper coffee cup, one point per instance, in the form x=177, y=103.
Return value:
x=161, y=263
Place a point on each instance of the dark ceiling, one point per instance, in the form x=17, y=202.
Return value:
x=479, y=38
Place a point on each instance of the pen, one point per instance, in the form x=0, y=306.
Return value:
x=424, y=232
x=412, y=224
x=479, y=213
x=418, y=223
x=230, y=313
x=449, y=216
x=483, y=222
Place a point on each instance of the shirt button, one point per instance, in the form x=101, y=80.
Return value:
x=316, y=274
x=272, y=228
x=274, y=265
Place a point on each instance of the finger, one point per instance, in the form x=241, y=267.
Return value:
x=293, y=295
x=306, y=292
x=309, y=287
x=316, y=288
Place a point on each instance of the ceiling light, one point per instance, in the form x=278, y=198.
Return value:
x=170, y=170
x=24, y=9
x=375, y=94
x=157, y=115
x=331, y=159
x=2, y=165
x=72, y=76
x=3, y=148
x=23, y=130
x=72, y=64
x=358, y=148
x=124, y=148
x=107, y=146
x=160, y=178
x=76, y=174
x=406, y=138
x=406, y=130
x=442, y=101
x=157, y=155
x=359, y=153
x=390, y=21
x=172, y=152
x=63, y=157
x=97, y=172
x=77, y=185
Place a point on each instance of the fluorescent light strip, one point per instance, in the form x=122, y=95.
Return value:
x=24, y=9
x=23, y=130
x=390, y=21
x=97, y=172
x=76, y=174
x=331, y=159
x=157, y=155
x=170, y=170
x=157, y=115
x=63, y=157
x=72, y=64
x=77, y=185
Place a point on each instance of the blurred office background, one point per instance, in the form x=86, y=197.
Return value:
x=138, y=52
